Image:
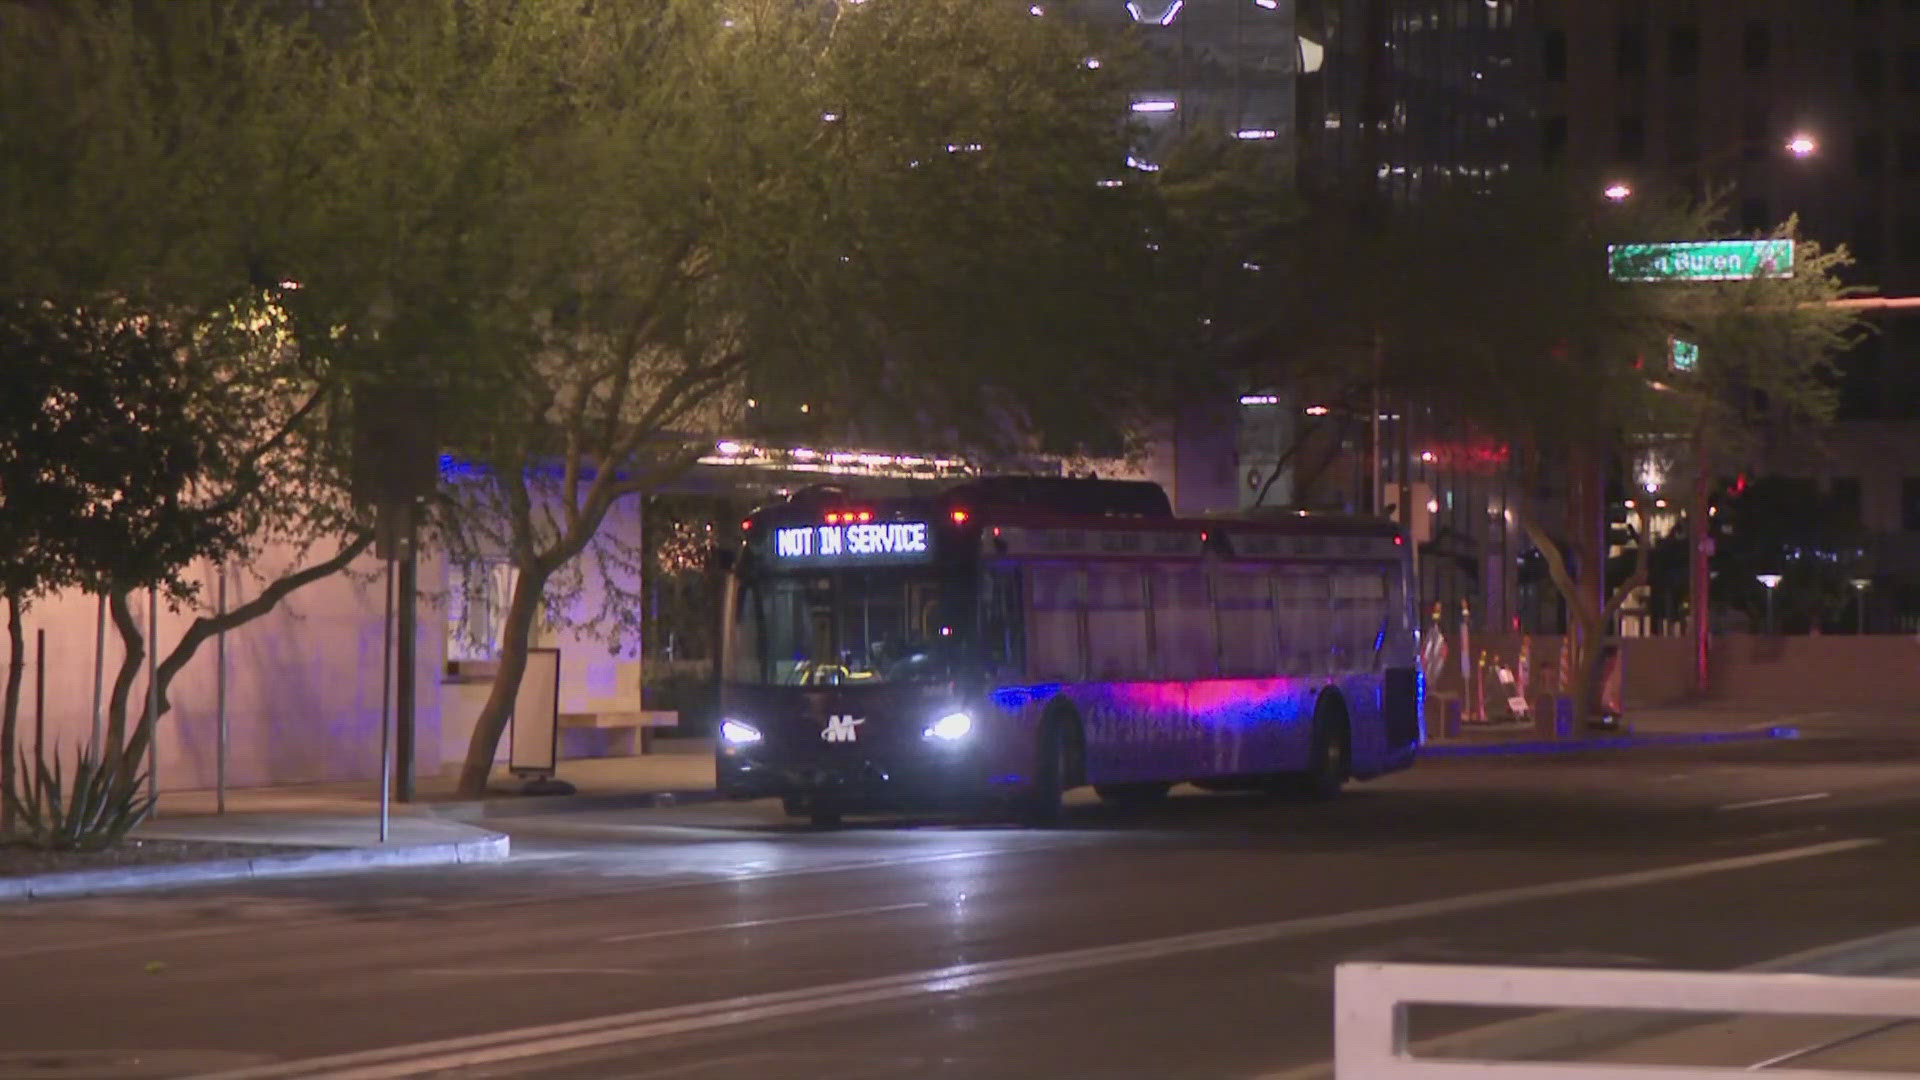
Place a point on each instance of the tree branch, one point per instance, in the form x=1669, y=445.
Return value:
x=204, y=627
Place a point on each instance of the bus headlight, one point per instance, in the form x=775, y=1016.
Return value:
x=735, y=733
x=951, y=728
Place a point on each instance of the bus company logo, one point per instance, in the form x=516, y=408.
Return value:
x=842, y=728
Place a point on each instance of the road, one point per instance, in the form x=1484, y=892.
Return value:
x=1193, y=939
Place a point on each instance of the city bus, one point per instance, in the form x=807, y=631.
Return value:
x=1012, y=638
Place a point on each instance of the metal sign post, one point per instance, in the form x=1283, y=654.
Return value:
x=220, y=701
x=386, y=730
x=153, y=696
x=39, y=707
x=395, y=466
x=99, y=661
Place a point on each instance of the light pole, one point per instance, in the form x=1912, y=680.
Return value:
x=1860, y=587
x=1772, y=582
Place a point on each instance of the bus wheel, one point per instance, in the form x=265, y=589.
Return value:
x=1331, y=762
x=1055, y=771
x=1132, y=794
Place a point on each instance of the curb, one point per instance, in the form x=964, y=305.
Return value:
x=1570, y=1031
x=512, y=806
x=492, y=847
x=1609, y=742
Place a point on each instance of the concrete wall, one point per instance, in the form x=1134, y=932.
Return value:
x=303, y=682
x=1869, y=672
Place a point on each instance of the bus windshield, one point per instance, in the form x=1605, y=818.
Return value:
x=847, y=628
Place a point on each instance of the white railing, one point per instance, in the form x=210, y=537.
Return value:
x=1371, y=1000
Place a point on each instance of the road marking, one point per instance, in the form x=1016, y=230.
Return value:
x=750, y=923
x=550, y=1039
x=516, y=972
x=1777, y=801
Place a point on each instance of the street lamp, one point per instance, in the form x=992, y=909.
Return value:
x=1860, y=587
x=1618, y=192
x=1772, y=582
x=1802, y=145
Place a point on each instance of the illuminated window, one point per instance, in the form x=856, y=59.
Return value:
x=477, y=598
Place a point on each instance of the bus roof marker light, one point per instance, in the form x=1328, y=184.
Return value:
x=960, y=518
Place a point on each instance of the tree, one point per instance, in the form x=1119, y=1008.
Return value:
x=598, y=231
x=129, y=271
x=1498, y=310
x=90, y=485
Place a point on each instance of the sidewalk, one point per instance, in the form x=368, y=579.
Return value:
x=304, y=835
x=1643, y=726
x=678, y=771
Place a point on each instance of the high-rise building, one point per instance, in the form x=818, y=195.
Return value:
x=1227, y=64
x=1415, y=94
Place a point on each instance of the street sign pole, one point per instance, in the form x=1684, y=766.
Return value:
x=386, y=728
x=1699, y=602
x=405, y=632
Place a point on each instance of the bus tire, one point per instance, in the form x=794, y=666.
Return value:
x=1330, y=762
x=1056, y=770
x=1141, y=794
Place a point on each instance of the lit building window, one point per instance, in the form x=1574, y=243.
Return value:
x=477, y=598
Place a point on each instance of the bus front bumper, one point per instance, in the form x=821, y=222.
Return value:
x=862, y=782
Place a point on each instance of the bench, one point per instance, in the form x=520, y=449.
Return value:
x=630, y=733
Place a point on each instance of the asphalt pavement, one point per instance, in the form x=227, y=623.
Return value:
x=1197, y=938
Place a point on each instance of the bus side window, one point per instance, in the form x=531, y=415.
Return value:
x=1053, y=637
x=1183, y=624
x=1248, y=646
x=1302, y=615
x=1002, y=623
x=1116, y=622
x=1359, y=603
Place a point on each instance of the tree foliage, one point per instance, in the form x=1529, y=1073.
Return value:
x=595, y=231
x=159, y=411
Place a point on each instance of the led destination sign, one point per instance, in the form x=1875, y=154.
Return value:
x=883, y=541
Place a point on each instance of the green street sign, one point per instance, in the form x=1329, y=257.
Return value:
x=1686, y=355
x=1703, y=260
